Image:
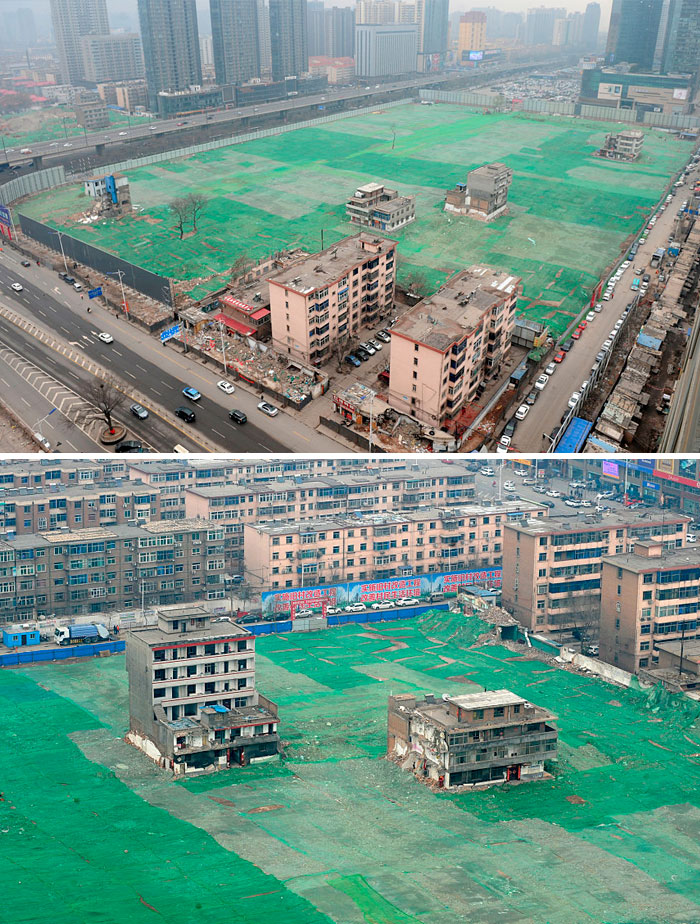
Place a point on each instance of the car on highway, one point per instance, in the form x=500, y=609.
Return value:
x=572, y=503
x=105, y=337
x=238, y=416
x=26, y=263
x=191, y=393
x=123, y=133
x=383, y=605
x=352, y=360
x=509, y=486
x=138, y=411
x=560, y=356
x=303, y=614
x=586, y=503
x=24, y=150
x=68, y=145
x=520, y=471
x=547, y=503
x=541, y=381
x=186, y=414
x=522, y=412
x=226, y=387
x=530, y=482
x=268, y=409
x=17, y=287
x=553, y=493
x=383, y=335
x=550, y=369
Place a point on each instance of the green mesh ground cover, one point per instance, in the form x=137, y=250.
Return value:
x=58, y=123
x=93, y=829
x=569, y=212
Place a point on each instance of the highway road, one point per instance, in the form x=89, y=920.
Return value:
x=552, y=404
x=158, y=373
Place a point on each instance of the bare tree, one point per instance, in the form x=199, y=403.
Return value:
x=239, y=266
x=180, y=210
x=417, y=283
x=393, y=137
x=196, y=203
x=103, y=399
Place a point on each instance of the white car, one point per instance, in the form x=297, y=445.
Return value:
x=590, y=316
x=16, y=287
x=541, y=381
x=509, y=486
x=522, y=412
x=376, y=344
x=268, y=409
x=553, y=493
x=574, y=399
x=355, y=608
x=598, y=308
x=225, y=386
x=625, y=264
x=406, y=601
x=383, y=605
x=122, y=133
x=503, y=444
x=105, y=337
x=551, y=369
x=303, y=614
x=606, y=296
x=642, y=240
x=607, y=344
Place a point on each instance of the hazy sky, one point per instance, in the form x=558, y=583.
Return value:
x=123, y=12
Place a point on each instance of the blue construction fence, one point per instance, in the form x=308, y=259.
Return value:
x=34, y=655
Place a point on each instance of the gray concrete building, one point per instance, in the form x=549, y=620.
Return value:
x=386, y=50
x=71, y=20
x=376, y=206
x=113, y=57
x=170, y=39
x=475, y=739
x=234, y=25
x=193, y=705
x=288, y=38
x=484, y=195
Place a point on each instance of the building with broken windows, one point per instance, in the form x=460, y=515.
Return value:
x=479, y=738
x=193, y=704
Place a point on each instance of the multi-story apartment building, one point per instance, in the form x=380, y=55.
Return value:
x=472, y=35
x=552, y=568
x=386, y=50
x=68, y=572
x=478, y=738
x=113, y=57
x=170, y=39
x=236, y=53
x=649, y=595
x=288, y=38
x=379, y=546
x=444, y=347
x=34, y=509
x=324, y=300
x=376, y=206
x=91, y=111
x=193, y=704
x=71, y=20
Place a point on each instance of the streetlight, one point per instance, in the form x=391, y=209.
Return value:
x=63, y=253
x=223, y=344
x=120, y=274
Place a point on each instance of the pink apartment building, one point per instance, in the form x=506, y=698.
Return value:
x=326, y=298
x=444, y=347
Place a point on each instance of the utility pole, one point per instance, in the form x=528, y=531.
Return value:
x=680, y=659
x=120, y=274
x=223, y=345
x=63, y=253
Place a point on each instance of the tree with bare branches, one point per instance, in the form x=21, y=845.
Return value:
x=196, y=203
x=103, y=399
x=180, y=210
x=239, y=266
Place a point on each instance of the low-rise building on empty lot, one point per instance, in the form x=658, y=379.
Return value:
x=376, y=206
x=490, y=737
x=192, y=698
x=484, y=195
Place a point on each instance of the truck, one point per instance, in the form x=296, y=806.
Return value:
x=72, y=635
x=658, y=257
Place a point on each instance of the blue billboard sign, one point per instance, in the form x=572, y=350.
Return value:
x=651, y=485
x=95, y=293
x=5, y=217
x=169, y=333
x=417, y=586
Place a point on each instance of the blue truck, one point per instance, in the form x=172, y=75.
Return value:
x=87, y=634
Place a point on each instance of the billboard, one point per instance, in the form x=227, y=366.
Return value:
x=611, y=469
x=418, y=586
x=476, y=55
x=5, y=218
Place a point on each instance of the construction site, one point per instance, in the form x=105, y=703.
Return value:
x=569, y=214
x=335, y=831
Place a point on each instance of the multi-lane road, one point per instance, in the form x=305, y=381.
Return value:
x=153, y=374
x=552, y=404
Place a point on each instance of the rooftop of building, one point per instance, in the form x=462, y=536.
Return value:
x=86, y=490
x=490, y=169
x=690, y=648
x=457, y=308
x=323, y=268
x=54, y=537
x=437, y=709
x=219, y=629
x=669, y=559
x=595, y=522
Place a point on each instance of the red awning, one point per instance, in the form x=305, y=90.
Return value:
x=232, y=324
x=233, y=302
x=260, y=314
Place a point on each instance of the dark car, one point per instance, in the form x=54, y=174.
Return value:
x=129, y=446
x=352, y=360
x=567, y=344
x=26, y=263
x=362, y=354
x=69, y=280
x=646, y=277
x=532, y=397
x=509, y=428
x=184, y=413
x=546, y=503
x=238, y=416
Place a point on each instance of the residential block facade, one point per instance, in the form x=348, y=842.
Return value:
x=326, y=298
x=649, y=595
x=552, y=568
x=444, y=347
x=193, y=704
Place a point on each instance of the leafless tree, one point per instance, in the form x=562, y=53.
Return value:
x=180, y=210
x=196, y=203
x=393, y=137
x=103, y=399
x=239, y=266
x=339, y=350
x=417, y=283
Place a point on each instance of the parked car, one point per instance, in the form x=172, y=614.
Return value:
x=376, y=344
x=532, y=397
x=522, y=411
x=541, y=381
x=407, y=601
x=590, y=316
x=362, y=354
x=355, y=608
x=559, y=357
x=488, y=471
x=509, y=486
x=550, y=369
x=574, y=399
x=368, y=348
x=567, y=344
x=503, y=445
x=383, y=335
x=383, y=605
x=268, y=409
x=352, y=360
x=553, y=493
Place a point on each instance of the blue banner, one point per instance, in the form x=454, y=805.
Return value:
x=5, y=218
x=417, y=586
x=95, y=293
x=169, y=333
x=651, y=485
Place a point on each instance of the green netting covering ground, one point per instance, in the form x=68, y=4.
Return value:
x=570, y=213
x=58, y=123
x=94, y=832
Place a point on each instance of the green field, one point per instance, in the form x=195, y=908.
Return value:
x=94, y=832
x=570, y=213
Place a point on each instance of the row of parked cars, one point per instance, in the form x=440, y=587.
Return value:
x=361, y=607
x=364, y=351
